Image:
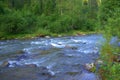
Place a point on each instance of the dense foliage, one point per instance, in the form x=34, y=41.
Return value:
x=53, y=16
x=110, y=20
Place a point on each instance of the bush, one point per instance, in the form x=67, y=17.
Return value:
x=61, y=25
x=110, y=71
x=17, y=22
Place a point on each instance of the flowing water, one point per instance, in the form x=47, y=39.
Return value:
x=49, y=58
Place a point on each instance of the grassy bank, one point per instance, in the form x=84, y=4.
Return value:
x=46, y=33
x=110, y=54
x=110, y=69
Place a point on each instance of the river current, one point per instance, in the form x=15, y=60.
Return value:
x=60, y=58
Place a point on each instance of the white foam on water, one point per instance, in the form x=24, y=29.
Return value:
x=50, y=66
x=76, y=40
x=73, y=55
x=58, y=45
x=36, y=42
x=13, y=63
x=82, y=41
x=27, y=49
x=52, y=73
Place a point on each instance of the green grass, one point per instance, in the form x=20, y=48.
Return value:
x=110, y=70
x=43, y=33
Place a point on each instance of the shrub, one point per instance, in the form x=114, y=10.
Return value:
x=61, y=25
x=110, y=71
x=17, y=22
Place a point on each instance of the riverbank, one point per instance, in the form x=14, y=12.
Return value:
x=45, y=34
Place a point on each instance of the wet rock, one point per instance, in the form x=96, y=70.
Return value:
x=40, y=35
x=32, y=37
x=51, y=73
x=44, y=71
x=80, y=34
x=58, y=45
x=31, y=65
x=16, y=38
x=90, y=67
x=5, y=64
x=59, y=35
x=47, y=36
x=74, y=48
x=13, y=63
x=98, y=62
x=20, y=52
x=47, y=72
x=71, y=47
x=43, y=68
x=44, y=52
x=73, y=73
x=22, y=57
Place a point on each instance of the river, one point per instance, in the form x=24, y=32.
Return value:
x=60, y=58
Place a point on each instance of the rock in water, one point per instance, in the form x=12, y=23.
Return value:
x=5, y=64
x=59, y=35
x=58, y=45
x=31, y=65
x=90, y=67
x=47, y=36
x=51, y=73
x=99, y=62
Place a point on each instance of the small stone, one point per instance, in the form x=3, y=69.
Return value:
x=32, y=37
x=20, y=52
x=73, y=73
x=89, y=66
x=59, y=35
x=51, y=73
x=99, y=62
x=71, y=47
x=47, y=36
x=5, y=64
x=31, y=65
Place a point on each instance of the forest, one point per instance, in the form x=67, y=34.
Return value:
x=45, y=17
x=39, y=18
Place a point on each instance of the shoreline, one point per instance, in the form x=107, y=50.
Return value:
x=33, y=36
